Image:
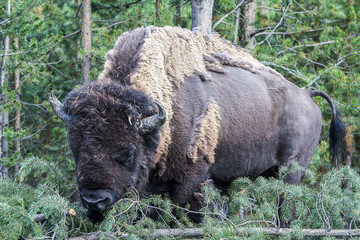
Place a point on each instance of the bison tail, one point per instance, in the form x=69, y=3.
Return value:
x=337, y=129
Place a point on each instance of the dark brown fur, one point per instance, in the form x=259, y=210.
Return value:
x=244, y=120
x=100, y=134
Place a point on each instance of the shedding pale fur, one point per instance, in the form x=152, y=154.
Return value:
x=205, y=138
x=160, y=59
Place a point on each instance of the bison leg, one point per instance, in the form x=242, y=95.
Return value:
x=296, y=167
x=294, y=177
x=197, y=202
x=189, y=189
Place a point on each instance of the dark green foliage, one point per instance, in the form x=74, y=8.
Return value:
x=257, y=203
x=15, y=220
x=21, y=204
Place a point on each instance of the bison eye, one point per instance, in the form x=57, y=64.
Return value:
x=127, y=156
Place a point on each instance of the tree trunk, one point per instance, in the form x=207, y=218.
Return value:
x=236, y=27
x=177, y=16
x=86, y=40
x=158, y=5
x=4, y=116
x=249, y=12
x=202, y=15
x=17, y=112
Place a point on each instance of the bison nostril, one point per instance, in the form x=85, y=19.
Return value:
x=85, y=204
x=103, y=205
x=98, y=199
x=97, y=204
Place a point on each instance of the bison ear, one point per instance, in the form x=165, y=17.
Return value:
x=151, y=123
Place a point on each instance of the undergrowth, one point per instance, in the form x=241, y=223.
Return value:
x=323, y=203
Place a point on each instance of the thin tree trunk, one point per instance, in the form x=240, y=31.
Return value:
x=86, y=40
x=158, y=5
x=249, y=12
x=18, y=111
x=236, y=27
x=202, y=15
x=177, y=17
x=4, y=116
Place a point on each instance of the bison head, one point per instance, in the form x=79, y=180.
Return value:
x=113, y=132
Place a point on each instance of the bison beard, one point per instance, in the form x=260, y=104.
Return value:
x=174, y=110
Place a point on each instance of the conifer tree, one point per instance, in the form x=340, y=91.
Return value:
x=4, y=115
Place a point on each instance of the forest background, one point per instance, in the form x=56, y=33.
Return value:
x=313, y=43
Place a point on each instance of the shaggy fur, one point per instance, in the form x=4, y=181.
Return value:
x=206, y=134
x=100, y=132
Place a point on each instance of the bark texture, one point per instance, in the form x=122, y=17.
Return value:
x=202, y=15
x=86, y=40
x=17, y=112
x=236, y=28
x=158, y=6
x=177, y=16
x=249, y=13
x=198, y=232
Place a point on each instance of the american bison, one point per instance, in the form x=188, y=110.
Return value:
x=174, y=108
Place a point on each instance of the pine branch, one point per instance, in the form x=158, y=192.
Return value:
x=14, y=53
x=340, y=61
x=226, y=15
x=281, y=23
x=18, y=14
x=110, y=26
x=296, y=74
x=97, y=29
x=263, y=31
x=306, y=45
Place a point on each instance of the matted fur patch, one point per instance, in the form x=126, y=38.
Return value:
x=206, y=134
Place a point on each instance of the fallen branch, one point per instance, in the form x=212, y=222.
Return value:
x=198, y=232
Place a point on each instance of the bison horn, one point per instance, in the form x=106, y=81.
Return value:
x=57, y=107
x=150, y=124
